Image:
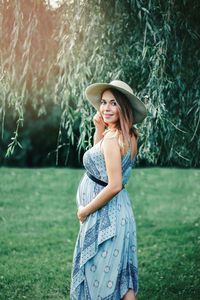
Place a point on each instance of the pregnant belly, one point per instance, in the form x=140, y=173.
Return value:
x=87, y=191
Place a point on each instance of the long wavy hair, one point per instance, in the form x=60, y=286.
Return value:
x=124, y=128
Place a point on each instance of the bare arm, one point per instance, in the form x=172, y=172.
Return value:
x=99, y=127
x=98, y=135
x=113, y=165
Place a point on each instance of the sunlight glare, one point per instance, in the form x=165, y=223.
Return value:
x=54, y=3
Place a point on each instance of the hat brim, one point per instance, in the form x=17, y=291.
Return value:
x=94, y=91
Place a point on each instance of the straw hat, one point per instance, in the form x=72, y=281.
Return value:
x=94, y=91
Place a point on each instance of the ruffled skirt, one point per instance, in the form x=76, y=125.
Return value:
x=105, y=255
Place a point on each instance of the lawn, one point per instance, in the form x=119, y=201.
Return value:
x=39, y=228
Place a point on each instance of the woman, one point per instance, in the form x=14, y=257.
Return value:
x=105, y=255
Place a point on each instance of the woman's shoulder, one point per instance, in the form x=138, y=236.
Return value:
x=113, y=139
x=111, y=134
x=110, y=141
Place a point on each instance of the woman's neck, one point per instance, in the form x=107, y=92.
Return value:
x=112, y=126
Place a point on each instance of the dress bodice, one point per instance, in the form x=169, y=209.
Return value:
x=94, y=162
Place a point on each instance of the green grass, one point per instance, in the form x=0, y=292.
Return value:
x=39, y=228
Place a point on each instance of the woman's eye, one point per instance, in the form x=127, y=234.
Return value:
x=103, y=102
x=112, y=103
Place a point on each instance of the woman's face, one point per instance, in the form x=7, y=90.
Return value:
x=109, y=109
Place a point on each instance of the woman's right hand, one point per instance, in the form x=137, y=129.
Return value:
x=82, y=214
x=99, y=122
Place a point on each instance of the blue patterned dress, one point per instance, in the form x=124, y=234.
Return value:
x=105, y=255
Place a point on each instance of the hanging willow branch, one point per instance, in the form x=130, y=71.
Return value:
x=50, y=56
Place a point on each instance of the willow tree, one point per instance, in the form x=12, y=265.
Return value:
x=153, y=46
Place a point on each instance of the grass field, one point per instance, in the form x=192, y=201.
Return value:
x=39, y=228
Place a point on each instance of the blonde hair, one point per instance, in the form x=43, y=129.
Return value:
x=124, y=127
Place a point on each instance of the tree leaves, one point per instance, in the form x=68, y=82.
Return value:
x=153, y=46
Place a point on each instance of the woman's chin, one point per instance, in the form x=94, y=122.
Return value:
x=108, y=120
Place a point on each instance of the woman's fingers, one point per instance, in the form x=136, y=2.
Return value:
x=81, y=214
x=82, y=220
x=98, y=121
x=97, y=117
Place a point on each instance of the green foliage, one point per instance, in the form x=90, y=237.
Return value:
x=153, y=46
x=39, y=227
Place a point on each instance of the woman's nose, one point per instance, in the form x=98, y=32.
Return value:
x=107, y=106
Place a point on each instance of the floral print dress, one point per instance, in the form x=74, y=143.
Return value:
x=105, y=256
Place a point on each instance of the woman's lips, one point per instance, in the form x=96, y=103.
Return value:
x=108, y=115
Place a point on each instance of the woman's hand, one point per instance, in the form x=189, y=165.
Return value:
x=82, y=214
x=99, y=122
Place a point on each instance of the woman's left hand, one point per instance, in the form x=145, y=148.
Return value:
x=82, y=214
